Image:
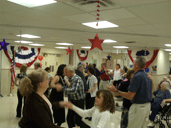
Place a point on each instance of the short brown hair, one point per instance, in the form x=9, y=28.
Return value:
x=118, y=65
x=128, y=74
x=47, y=68
x=108, y=100
x=91, y=70
x=23, y=68
x=104, y=64
x=31, y=83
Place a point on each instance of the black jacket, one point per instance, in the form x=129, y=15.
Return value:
x=37, y=114
x=79, y=73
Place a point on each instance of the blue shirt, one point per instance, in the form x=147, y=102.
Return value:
x=161, y=95
x=142, y=86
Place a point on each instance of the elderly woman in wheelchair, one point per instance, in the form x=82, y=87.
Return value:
x=159, y=101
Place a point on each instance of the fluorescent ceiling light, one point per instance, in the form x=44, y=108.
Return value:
x=167, y=49
x=32, y=3
x=24, y=42
x=168, y=45
x=61, y=47
x=120, y=47
x=101, y=24
x=109, y=41
x=86, y=47
x=169, y=53
x=64, y=44
x=37, y=44
x=29, y=36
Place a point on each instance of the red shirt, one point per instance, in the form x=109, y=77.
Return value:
x=103, y=76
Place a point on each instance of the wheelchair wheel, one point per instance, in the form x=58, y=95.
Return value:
x=157, y=119
x=162, y=126
x=169, y=126
x=168, y=120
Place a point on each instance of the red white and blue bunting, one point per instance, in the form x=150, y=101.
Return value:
x=150, y=55
x=82, y=54
x=23, y=55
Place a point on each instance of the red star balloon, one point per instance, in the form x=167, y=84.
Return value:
x=96, y=42
x=69, y=51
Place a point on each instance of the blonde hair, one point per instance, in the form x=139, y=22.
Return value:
x=30, y=84
x=23, y=68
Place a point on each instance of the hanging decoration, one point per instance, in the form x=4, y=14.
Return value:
x=4, y=45
x=69, y=51
x=40, y=57
x=82, y=54
x=143, y=53
x=147, y=70
x=108, y=57
x=98, y=12
x=149, y=55
x=23, y=55
x=96, y=42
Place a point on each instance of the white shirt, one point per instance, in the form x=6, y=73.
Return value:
x=49, y=104
x=92, y=80
x=99, y=119
x=49, y=75
x=117, y=75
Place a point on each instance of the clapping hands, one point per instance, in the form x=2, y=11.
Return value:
x=112, y=88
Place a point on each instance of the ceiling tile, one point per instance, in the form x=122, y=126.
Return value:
x=141, y=27
x=153, y=13
x=59, y=9
x=129, y=22
x=6, y=6
x=33, y=14
x=81, y=18
x=10, y=19
x=164, y=26
x=151, y=32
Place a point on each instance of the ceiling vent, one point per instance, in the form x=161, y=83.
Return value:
x=102, y=2
x=130, y=42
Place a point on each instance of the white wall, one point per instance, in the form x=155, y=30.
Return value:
x=5, y=69
x=162, y=62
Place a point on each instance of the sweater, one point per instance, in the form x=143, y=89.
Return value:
x=99, y=119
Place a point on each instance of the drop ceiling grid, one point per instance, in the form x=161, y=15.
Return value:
x=153, y=13
x=59, y=9
x=132, y=3
x=81, y=18
x=120, y=13
x=68, y=17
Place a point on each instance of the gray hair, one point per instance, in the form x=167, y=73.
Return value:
x=167, y=85
x=79, y=67
x=70, y=68
x=37, y=64
x=141, y=61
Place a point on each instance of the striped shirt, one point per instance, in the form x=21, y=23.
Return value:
x=76, y=89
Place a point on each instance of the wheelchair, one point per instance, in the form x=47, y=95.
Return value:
x=164, y=114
